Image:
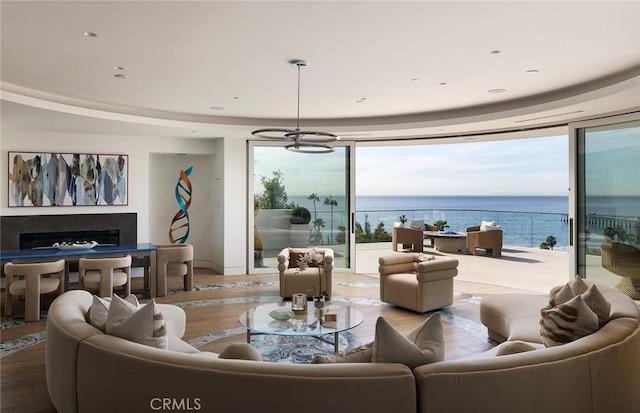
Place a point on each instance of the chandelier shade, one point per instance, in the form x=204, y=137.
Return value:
x=303, y=141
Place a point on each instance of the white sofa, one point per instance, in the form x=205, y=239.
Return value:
x=89, y=371
x=599, y=373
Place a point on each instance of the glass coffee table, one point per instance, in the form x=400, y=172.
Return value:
x=312, y=322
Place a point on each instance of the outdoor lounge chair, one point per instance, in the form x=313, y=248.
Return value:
x=489, y=240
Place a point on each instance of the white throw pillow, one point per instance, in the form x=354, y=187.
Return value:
x=144, y=326
x=424, y=345
x=489, y=226
x=100, y=308
x=417, y=224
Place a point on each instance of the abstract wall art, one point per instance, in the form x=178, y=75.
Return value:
x=67, y=179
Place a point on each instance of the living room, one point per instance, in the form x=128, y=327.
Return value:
x=174, y=85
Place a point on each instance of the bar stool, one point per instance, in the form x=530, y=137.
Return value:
x=174, y=260
x=104, y=274
x=32, y=284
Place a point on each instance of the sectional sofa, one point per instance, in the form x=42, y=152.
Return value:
x=89, y=371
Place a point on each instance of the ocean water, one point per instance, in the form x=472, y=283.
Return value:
x=526, y=220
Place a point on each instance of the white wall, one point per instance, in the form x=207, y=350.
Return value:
x=164, y=172
x=143, y=153
x=230, y=205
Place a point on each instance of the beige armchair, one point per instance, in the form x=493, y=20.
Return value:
x=623, y=260
x=30, y=281
x=416, y=281
x=173, y=260
x=317, y=278
x=489, y=240
x=104, y=274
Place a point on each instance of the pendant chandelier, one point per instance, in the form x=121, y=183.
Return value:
x=301, y=140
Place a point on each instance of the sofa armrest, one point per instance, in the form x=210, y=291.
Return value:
x=175, y=318
x=437, y=265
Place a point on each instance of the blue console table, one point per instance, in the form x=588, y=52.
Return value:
x=144, y=250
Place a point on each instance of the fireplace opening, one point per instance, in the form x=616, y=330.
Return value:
x=47, y=239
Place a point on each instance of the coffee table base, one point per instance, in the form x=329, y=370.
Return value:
x=451, y=245
x=334, y=342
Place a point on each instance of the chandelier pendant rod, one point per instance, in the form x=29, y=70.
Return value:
x=298, y=112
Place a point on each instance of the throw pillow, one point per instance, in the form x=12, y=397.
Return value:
x=240, y=351
x=144, y=326
x=424, y=345
x=489, y=226
x=294, y=258
x=578, y=285
x=424, y=257
x=514, y=347
x=563, y=295
x=360, y=354
x=598, y=304
x=100, y=308
x=417, y=224
x=567, y=322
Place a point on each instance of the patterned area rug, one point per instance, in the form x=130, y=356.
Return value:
x=286, y=349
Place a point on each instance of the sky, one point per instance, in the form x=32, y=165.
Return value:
x=535, y=166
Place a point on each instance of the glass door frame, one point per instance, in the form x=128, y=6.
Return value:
x=350, y=228
x=577, y=185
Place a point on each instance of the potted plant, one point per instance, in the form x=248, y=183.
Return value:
x=403, y=220
x=300, y=215
x=440, y=225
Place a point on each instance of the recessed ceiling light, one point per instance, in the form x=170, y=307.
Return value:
x=495, y=51
x=532, y=72
x=118, y=68
x=415, y=79
x=120, y=76
x=216, y=107
x=236, y=98
x=89, y=34
x=496, y=90
x=443, y=83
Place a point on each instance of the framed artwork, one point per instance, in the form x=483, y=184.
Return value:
x=67, y=179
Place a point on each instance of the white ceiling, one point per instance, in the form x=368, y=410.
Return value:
x=183, y=58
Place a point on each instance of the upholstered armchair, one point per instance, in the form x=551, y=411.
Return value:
x=489, y=240
x=408, y=237
x=315, y=279
x=623, y=260
x=416, y=281
x=174, y=260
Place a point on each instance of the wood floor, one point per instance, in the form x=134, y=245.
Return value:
x=22, y=373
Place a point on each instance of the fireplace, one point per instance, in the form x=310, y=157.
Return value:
x=47, y=239
x=29, y=231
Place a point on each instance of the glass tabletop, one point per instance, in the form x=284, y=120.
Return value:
x=311, y=322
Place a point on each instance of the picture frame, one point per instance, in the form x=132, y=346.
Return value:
x=39, y=179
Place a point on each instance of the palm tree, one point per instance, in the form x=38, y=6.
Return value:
x=314, y=197
x=316, y=235
x=332, y=203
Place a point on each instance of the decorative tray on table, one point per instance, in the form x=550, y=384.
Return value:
x=77, y=245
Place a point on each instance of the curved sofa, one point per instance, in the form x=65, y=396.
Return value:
x=89, y=371
x=598, y=373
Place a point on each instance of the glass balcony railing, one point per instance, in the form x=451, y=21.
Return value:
x=526, y=229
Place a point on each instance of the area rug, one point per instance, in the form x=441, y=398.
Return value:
x=286, y=349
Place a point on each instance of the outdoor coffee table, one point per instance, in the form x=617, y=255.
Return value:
x=448, y=241
x=308, y=323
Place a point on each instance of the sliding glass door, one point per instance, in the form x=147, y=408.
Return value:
x=299, y=200
x=607, y=201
